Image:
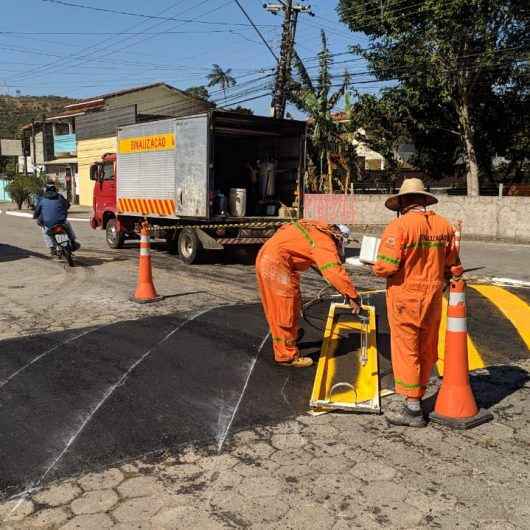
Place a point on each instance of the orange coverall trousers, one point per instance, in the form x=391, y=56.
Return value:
x=416, y=253
x=293, y=249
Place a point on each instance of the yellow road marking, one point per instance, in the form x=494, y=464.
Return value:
x=474, y=358
x=514, y=309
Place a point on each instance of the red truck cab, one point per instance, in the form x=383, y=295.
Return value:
x=104, y=212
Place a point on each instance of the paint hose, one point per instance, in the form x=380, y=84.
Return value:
x=321, y=298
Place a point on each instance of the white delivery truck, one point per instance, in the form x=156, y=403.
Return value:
x=203, y=181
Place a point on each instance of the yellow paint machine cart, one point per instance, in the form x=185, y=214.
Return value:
x=347, y=376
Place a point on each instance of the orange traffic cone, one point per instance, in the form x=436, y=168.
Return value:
x=455, y=405
x=145, y=289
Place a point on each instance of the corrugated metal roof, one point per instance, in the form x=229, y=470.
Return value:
x=66, y=114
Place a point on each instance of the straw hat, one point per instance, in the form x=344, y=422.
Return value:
x=411, y=186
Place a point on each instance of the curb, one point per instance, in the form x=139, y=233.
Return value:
x=510, y=282
x=30, y=216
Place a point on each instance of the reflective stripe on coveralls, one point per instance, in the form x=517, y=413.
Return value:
x=293, y=249
x=416, y=253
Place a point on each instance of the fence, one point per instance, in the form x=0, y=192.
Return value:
x=330, y=208
x=483, y=217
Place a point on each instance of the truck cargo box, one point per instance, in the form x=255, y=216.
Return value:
x=178, y=168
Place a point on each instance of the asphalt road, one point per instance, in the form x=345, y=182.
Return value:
x=88, y=378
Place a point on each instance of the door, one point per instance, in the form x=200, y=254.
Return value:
x=107, y=185
x=191, y=173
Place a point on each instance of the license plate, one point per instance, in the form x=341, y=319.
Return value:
x=61, y=238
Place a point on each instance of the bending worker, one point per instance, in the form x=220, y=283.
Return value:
x=416, y=255
x=293, y=249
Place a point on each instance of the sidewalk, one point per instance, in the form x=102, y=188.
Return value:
x=76, y=212
x=498, y=258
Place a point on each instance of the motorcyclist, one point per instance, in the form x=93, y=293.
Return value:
x=52, y=209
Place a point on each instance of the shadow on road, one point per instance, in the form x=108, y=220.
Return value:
x=183, y=384
x=497, y=384
x=85, y=399
x=12, y=253
x=92, y=261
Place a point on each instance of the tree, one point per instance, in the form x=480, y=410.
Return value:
x=241, y=110
x=317, y=101
x=22, y=188
x=457, y=52
x=200, y=92
x=221, y=78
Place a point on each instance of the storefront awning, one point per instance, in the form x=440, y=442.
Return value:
x=61, y=161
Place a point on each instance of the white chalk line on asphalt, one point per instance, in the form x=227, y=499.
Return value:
x=41, y=355
x=30, y=216
x=110, y=390
x=236, y=408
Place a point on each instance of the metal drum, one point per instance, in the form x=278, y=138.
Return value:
x=238, y=202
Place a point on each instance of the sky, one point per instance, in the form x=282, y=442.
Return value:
x=49, y=48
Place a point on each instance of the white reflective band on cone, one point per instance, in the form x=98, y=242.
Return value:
x=145, y=252
x=144, y=239
x=456, y=324
x=457, y=298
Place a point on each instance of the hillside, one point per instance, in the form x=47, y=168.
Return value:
x=16, y=111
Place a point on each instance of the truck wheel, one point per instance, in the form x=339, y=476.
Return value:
x=114, y=237
x=189, y=246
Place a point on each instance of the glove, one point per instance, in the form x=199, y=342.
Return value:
x=355, y=305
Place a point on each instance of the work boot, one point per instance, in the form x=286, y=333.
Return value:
x=75, y=246
x=298, y=362
x=406, y=417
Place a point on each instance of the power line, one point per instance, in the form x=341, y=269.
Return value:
x=73, y=55
x=256, y=28
x=143, y=15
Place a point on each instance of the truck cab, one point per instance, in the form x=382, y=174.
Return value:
x=104, y=211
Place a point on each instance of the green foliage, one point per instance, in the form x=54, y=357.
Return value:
x=221, y=78
x=17, y=111
x=22, y=188
x=317, y=100
x=454, y=61
x=241, y=110
x=200, y=92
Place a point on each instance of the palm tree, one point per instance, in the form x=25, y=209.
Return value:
x=222, y=78
x=317, y=101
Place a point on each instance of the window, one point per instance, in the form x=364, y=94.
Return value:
x=108, y=171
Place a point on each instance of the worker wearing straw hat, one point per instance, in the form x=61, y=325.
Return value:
x=416, y=254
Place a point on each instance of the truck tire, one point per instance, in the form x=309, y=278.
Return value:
x=115, y=238
x=189, y=246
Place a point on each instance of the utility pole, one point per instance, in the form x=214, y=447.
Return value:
x=34, y=154
x=283, y=72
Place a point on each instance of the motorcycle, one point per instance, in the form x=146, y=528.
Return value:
x=62, y=242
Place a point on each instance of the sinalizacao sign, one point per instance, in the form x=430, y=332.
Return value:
x=144, y=144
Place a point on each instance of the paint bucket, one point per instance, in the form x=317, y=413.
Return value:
x=238, y=202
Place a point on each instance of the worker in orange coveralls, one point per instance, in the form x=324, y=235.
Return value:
x=293, y=249
x=417, y=254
